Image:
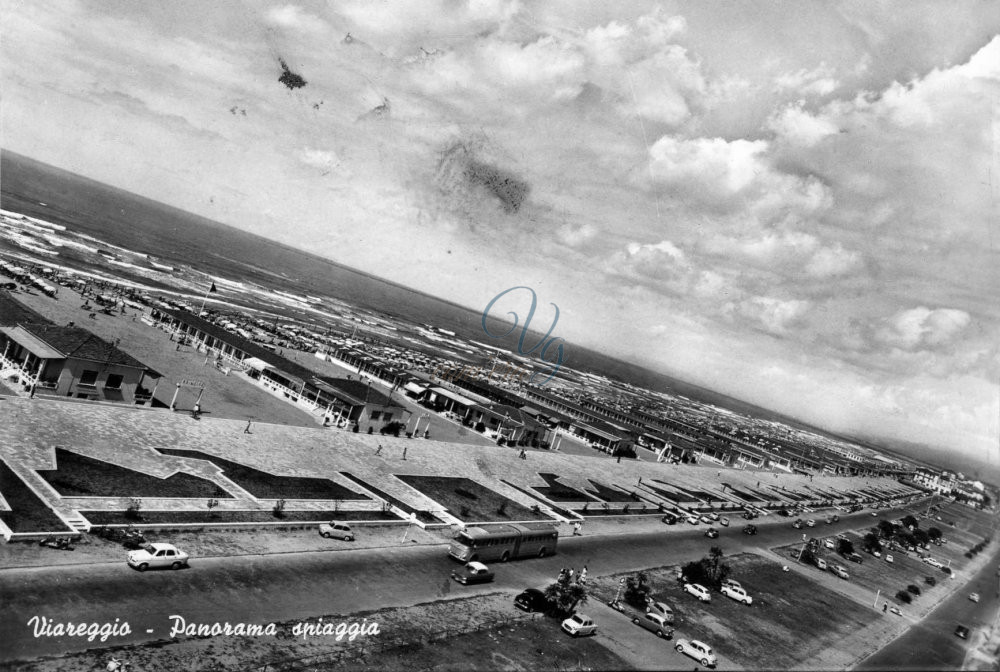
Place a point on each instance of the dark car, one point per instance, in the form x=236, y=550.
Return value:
x=473, y=572
x=797, y=524
x=854, y=557
x=532, y=600
x=712, y=533
x=962, y=631
x=669, y=519
x=750, y=529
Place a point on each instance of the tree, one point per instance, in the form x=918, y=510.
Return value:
x=565, y=597
x=904, y=597
x=845, y=547
x=872, y=542
x=921, y=536
x=885, y=528
x=710, y=571
x=907, y=539
x=934, y=533
x=910, y=521
x=637, y=589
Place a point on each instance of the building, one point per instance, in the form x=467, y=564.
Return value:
x=64, y=361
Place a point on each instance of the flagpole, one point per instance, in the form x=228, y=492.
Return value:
x=205, y=298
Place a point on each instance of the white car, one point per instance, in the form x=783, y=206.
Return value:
x=713, y=516
x=840, y=571
x=692, y=519
x=578, y=625
x=699, y=591
x=732, y=582
x=810, y=523
x=888, y=557
x=934, y=563
x=157, y=555
x=335, y=530
x=974, y=597
x=662, y=609
x=829, y=544
x=737, y=593
x=700, y=651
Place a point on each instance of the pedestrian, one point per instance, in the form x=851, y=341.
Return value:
x=523, y=455
x=639, y=484
x=246, y=430
x=572, y=572
x=378, y=451
x=404, y=451
x=583, y=575
x=718, y=473
x=885, y=607
x=576, y=529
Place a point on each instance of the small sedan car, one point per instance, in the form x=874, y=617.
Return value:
x=712, y=533
x=700, y=651
x=157, y=555
x=532, y=600
x=692, y=519
x=829, y=544
x=669, y=519
x=723, y=521
x=473, y=572
x=749, y=529
x=896, y=611
x=962, y=631
x=579, y=625
x=714, y=517
x=810, y=523
x=974, y=597
x=655, y=623
x=888, y=557
x=662, y=609
x=705, y=519
x=797, y=524
x=840, y=571
x=699, y=591
x=737, y=593
x=335, y=530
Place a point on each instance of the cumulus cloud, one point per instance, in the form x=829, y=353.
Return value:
x=923, y=327
x=795, y=125
x=721, y=167
x=773, y=315
x=819, y=81
x=295, y=18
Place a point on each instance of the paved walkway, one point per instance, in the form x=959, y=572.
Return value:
x=32, y=428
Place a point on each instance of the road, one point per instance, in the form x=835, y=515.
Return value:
x=273, y=588
x=931, y=644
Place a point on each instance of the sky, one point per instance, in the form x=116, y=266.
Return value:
x=794, y=203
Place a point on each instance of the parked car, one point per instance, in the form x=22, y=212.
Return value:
x=797, y=524
x=692, y=519
x=974, y=597
x=473, y=572
x=895, y=610
x=335, y=530
x=855, y=557
x=655, y=623
x=669, y=519
x=840, y=571
x=723, y=521
x=157, y=555
x=712, y=533
x=698, y=650
x=699, y=591
x=828, y=543
x=821, y=563
x=579, y=625
x=706, y=519
x=714, y=516
x=962, y=631
x=662, y=609
x=532, y=600
x=810, y=523
x=888, y=557
x=749, y=515
x=736, y=593
x=836, y=518
x=749, y=529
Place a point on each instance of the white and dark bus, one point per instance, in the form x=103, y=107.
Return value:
x=504, y=542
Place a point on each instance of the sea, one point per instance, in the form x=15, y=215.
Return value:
x=79, y=224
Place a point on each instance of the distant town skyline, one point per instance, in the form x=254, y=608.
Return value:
x=792, y=204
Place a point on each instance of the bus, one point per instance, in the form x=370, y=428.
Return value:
x=504, y=542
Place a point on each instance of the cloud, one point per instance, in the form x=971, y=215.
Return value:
x=295, y=18
x=795, y=125
x=720, y=167
x=775, y=316
x=923, y=327
x=819, y=81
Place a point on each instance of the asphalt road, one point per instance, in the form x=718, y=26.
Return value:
x=931, y=644
x=273, y=588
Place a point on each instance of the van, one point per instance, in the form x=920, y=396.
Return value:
x=335, y=530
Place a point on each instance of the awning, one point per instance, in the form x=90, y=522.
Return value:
x=31, y=343
x=255, y=363
x=454, y=397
